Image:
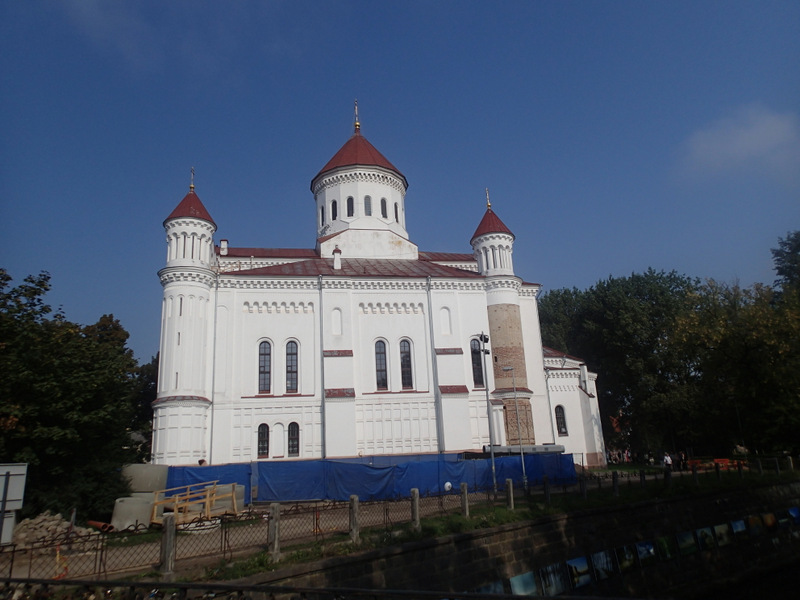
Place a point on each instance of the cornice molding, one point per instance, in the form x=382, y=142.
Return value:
x=378, y=176
x=347, y=283
x=187, y=274
x=499, y=282
x=189, y=222
x=195, y=401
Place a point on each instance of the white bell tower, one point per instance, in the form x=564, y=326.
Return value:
x=180, y=412
x=360, y=204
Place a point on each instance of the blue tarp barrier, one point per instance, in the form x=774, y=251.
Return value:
x=375, y=478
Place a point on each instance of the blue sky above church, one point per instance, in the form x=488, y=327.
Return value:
x=613, y=136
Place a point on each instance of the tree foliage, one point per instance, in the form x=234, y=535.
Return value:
x=684, y=364
x=66, y=402
x=787, y=260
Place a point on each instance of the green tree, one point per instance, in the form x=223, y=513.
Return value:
x=65, y=402
x=621, y=327
x=144, y=393
x=787, y=260
x=746, y=342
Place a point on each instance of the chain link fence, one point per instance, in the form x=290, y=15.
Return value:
x=71, y=556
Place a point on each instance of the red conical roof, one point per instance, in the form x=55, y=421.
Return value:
x=191, y=207
x=358, y=151
x=491, y=223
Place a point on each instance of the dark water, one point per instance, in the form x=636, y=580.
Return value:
x=779, y=584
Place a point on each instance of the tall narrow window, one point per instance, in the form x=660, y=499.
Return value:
x=561, y=421
x=263, y=440
x=396, y=213
x=264, y=367
x=350, y=207
x=384, y=209
x=334, y=210
x=405, y=365
x=381, y=379
x=294, y=439
x=291, y=368
x=477, y=363
x=321, y=216
x=368, y=206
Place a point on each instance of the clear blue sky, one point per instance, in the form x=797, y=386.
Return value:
x=613, y=136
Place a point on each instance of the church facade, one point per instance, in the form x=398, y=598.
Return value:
x=362, y=345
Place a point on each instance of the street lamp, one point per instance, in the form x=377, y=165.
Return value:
x=483, y=339
x=519, y=429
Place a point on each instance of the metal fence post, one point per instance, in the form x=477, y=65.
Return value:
x=464, y=501
x=615, y=483
x=759, y=467
x=740, y=469
x=355, y=530
x=583, y=486
x=509, y=494
x=415, y=509
x=777, y=467
x=789, y=464
x=275, y=531
x=642, y=478
x=168, y=546
x=694, y=476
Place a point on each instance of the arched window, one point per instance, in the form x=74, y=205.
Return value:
x=350, y=207
x=477, y=363
x=321, y=216
x=291, y=368
x=396, y=213
x=368, y=206
x=561, y=421
x=263, y=440
x=406, y=376
x=264, y=367
x=384, y=210
x=381, y=377
x=334, y=210
x=294, y=439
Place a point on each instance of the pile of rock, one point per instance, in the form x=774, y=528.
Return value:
x=46, y=526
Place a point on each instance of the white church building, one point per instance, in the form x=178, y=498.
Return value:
x=363, y=345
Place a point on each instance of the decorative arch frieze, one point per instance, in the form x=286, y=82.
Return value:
x=396, y=308
x=278, y=307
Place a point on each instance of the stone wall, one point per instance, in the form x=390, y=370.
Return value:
x=485, y=558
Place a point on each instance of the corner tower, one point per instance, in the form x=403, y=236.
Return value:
x=492, y=246
x=180, y=411
x=360, y=204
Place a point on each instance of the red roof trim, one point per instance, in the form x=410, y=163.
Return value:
x=301, y=253
x=491, y=223
x=453, y=389
x=190, y=207
x=340, y=393
x=358, y=151
x=358, y=267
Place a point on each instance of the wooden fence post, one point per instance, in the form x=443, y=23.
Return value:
x=464, y=500
x=168, y=546
x=415, y=509
x=275, y=531
x=355, y=529
x=509, y=494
